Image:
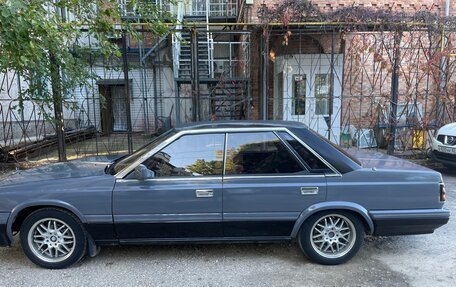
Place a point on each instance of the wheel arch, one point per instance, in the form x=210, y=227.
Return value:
x=334, y=205
x=21, y=211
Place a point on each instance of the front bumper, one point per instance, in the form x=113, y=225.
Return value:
x=407, y=222
x=445, y=158
x=4, y=240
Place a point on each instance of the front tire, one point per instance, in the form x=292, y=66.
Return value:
x=53, y=238
x=331, y=237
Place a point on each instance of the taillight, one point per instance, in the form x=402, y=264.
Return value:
x=442, y=192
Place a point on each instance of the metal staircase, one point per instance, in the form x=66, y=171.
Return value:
x=185, y=57
x=228, y=99
x=220, y=94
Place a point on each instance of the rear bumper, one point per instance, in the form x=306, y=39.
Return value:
x=406, y=222
x=4, y=240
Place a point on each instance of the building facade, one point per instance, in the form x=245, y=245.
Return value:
x=351, y=70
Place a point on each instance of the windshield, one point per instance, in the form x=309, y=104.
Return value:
x=124, y=162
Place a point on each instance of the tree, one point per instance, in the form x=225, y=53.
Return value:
x=40, y=41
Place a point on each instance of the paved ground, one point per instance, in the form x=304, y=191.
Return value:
x=421, y=260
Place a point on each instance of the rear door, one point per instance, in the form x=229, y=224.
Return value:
x=266, y=185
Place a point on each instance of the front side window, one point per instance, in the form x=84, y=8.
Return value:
x=190, y=155
x=259, y=153
x=127, y=161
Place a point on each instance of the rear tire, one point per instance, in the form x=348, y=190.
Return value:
x=331, y=237
x=53, y=238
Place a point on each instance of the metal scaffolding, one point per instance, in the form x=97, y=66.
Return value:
x=386, y=84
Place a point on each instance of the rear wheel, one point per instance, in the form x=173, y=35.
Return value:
x=331, y=237
x=53, y=238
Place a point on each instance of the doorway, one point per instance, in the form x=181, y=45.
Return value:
x=113, y=108
x=302, y=91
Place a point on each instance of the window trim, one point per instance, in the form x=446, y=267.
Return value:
x=123, y=173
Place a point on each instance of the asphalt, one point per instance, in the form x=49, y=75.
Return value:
x=418, y=260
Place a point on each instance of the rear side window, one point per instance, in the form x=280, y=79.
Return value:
x=313, y=162
x=259, y=153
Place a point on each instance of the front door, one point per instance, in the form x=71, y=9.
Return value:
x=266, y=186
x=183, y=200
x=303, y=84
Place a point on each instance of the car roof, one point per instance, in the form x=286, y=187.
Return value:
x=239, y=124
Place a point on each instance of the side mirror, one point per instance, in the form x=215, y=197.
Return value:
x=142, y=172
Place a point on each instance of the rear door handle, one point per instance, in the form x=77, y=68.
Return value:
x=204, y=193
x=309, y=190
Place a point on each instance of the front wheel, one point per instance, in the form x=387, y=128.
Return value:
x=53, y=238
x=331, y=237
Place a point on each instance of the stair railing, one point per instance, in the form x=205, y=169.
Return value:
x=210, y=43
x=177, y=37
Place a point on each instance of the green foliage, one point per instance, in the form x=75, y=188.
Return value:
x=33, y=30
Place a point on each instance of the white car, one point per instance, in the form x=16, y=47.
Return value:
x=444, y=146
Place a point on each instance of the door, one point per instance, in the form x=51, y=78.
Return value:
x=182, y=201
x=106, y=109
x=265, y=186
x=304, y=85
x=113, y=108
x=119, y=108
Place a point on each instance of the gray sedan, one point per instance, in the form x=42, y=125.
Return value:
x=220, y=182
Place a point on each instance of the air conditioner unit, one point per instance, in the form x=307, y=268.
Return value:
x=248, y=2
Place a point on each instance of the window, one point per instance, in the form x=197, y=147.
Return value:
x=299, y=94
x=124, y=162
x=314, y=163
x=190, y=155
x=259, y=153
x=321, y=94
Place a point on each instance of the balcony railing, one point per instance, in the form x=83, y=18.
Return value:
x=191, y=8
x=129, y=9
x=217, y=8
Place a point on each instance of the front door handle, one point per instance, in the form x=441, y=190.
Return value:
x=204, y=193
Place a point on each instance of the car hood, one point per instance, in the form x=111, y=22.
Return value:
x=449, y=129
x=380, y=160
x=72, y=169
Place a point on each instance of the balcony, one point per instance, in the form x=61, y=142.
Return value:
x=190, y=8
x=217, y=8
x=128, y=9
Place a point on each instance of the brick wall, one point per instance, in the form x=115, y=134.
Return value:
x=437, y=6
x=367, y=65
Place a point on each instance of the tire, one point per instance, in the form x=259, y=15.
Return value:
x=53, y=238
x=324, y=239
